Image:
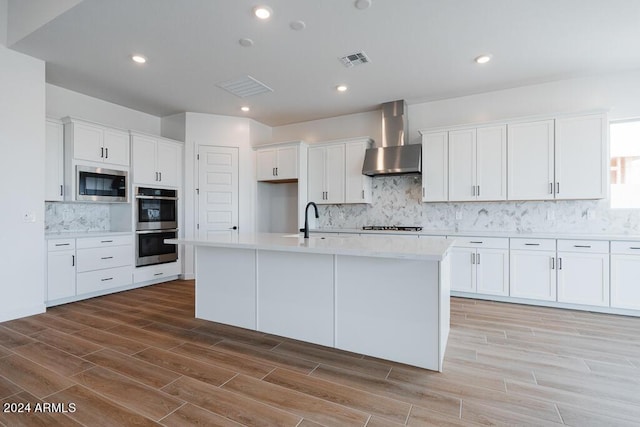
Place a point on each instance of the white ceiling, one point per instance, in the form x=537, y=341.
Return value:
x=420, y=50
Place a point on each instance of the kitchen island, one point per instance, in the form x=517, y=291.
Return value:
x=381, y=296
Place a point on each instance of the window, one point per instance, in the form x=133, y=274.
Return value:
x=625, y=164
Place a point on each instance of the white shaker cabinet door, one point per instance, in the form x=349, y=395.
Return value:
x=463, y=269
x=266, y=164
x=287, y=163
x=492, y=271
x=581, y=157
x=491, y=163
x=61, y=275
x=530, y=148
x=462, y=165
x=533, y=274
x=116, y=147
x=335, y=173
x=144, y=161
x=625, y=281
x=168, y=161
x=435, y=167
x=54, y=162
x=315, y=172
x=583, y=278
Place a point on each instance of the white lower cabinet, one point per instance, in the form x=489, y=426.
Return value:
x=480, y=265
x=625, y=275
x=102, y=280
x=61, y=269
x=104, y=263
x=532, y=269
x=583, y=272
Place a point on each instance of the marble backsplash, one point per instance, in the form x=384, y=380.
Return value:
x=76, y=217
x=397, y=201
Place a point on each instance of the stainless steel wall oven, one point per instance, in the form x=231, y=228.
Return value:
x=156, y=220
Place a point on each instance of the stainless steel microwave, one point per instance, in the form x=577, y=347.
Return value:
x=94, y=184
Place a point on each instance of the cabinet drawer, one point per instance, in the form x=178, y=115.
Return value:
x=625, y=248
x=94, y=281
x=533, y=244
x=592, y=246
x=98, y=242
x=101, y=258
x=480, y=242
x=155, y=272
x=61, y=244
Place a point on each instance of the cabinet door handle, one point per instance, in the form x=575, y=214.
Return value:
x=553, y=263
x=160, y=176
x=61, y=190
x=62, y=244
x=276, y=171
x=73, y=260
x=634, y=247
x=423, y=192
x=480, y=242
x=478, y=191
x=158, y=274
x=551, y=188
x=106, y=151
x=557, y=188
x=102, y=152
x=107, y=257
x=106, y=241
x=559, y=263
x=473, y=190
x=532, y=244
x=362, y=194
x=108, y=278
x=478, y=259
x=581, y=246
x=473, y=258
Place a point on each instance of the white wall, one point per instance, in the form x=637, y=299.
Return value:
x=22, y=138
x=28, y=16
x=4, y=12
x=62, y=102
x=348, y=126
x=222, y=131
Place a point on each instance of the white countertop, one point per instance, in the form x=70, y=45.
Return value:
x=509, y=234
x=81, y=234
x=371, y=246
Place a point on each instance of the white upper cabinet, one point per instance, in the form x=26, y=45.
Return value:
x=565, y=158
x=326, y=177
x=358, y=187
x=478, y=164
x=156, y=161
x=54, y=161
x=435, y=166
x=277, y=163
x=335, y=172
x=581, y=157
x=530, y=161
x=95, y=143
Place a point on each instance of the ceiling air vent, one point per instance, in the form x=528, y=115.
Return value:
x=244, y=87
x=357, y=58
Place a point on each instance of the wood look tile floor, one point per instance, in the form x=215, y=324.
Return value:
x=141, y=358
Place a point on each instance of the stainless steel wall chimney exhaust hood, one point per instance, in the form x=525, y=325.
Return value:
x=394, y=156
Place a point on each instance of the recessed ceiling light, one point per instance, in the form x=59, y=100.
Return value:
x=245, y=109
x=262, y=12
x=139, y=59
x=483, y=59
x=341, y=88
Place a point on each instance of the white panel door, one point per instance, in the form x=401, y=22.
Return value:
x=530, y=161
x=54, y=162
x=491, y=163
x=435, y=166
x=581, y=157
x=168, y=159
x=218, y=191
x=144, y=160
x=462, y=165
x=315, y=174
x=533, y=274
x=583, y=278
x=492, y=271
x=625, y=281
x=463, y=269
x=334, y=174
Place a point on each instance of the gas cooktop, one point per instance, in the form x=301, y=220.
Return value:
x=391, y=228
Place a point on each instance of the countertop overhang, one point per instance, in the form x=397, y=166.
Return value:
x=434, y=249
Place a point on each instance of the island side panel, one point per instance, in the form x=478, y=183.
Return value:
x=445, y=306
x=389, y=308
x=226, y=286
x=296, y=295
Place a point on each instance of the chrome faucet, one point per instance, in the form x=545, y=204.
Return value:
x=306, y=218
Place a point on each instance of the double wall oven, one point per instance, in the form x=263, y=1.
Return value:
x=156, y=220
